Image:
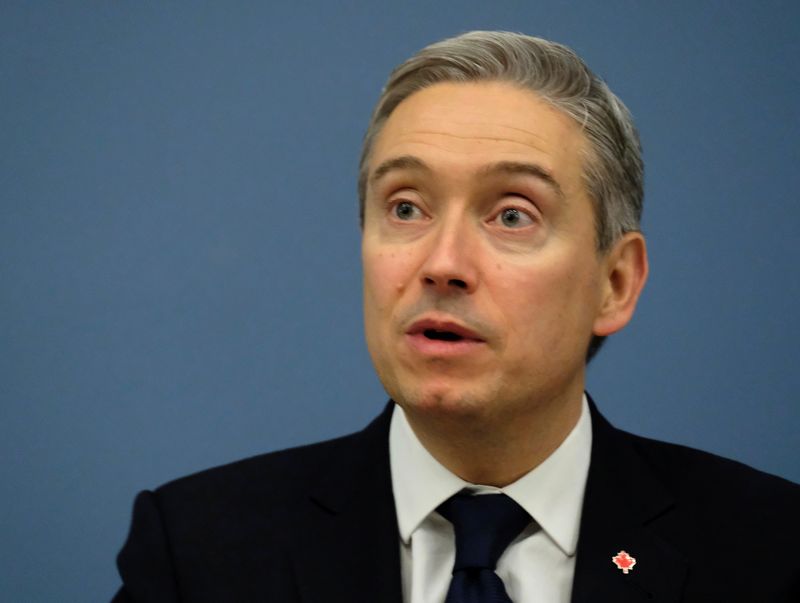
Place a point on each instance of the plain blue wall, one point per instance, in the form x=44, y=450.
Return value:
x=179, y=251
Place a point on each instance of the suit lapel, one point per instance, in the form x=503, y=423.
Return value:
x=347, y=547
x=622, y=506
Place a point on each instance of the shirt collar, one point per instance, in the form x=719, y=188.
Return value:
x=552, y=493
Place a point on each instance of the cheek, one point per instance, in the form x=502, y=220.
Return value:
x=386, y=277
x=547, y=303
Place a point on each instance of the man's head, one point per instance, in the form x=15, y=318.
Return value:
x=613, y=167
x=501, y=189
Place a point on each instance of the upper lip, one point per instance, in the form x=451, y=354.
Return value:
x=436, y=324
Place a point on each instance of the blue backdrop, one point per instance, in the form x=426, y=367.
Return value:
x=179, y=249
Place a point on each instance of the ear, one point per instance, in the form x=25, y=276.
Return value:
x=625, y=273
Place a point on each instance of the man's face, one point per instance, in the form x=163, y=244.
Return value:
x=482, y=283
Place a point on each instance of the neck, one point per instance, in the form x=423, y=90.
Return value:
x=496, y=450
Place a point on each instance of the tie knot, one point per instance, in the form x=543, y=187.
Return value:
x=484, y=526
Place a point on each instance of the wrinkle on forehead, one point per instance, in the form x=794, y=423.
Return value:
x=444, y=110
x=477, y=129
x=473, y=145
x=474, y=136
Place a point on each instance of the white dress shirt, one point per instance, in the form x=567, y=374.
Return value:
x=536, y=567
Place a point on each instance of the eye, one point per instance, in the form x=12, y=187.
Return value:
x=511, y=217
x=405, y=210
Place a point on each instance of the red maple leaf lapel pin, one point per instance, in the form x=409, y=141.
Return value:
x=623, y=561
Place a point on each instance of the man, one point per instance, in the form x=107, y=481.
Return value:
x=501, y=191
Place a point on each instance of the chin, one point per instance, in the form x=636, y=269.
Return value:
x=442, y=400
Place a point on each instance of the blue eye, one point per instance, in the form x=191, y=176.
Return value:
x=405, y=210
x=511, y=217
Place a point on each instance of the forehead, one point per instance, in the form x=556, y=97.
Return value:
x=465, y=126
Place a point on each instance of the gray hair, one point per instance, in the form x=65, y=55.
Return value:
x=613, y=168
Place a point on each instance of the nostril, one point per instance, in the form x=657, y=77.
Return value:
x=451, y=282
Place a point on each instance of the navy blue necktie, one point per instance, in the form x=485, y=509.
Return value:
x=484, y=526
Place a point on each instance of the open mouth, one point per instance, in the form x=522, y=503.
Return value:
x=442, y=335
x=443, y=339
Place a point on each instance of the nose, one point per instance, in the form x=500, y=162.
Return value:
x=451, y=264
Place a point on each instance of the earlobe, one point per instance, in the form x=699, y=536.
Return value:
x=626, y=270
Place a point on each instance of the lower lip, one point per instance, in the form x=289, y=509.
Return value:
x=441, y=348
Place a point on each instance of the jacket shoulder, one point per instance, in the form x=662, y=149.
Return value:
x=687, y=471
x=266, y=480
x=723, y=505
x=728, y=524
x=231, y=532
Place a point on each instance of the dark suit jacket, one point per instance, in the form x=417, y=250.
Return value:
x=318, y=524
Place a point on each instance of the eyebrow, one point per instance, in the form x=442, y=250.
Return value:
x=404, y=162
x=409, y=162
x=529, y=169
